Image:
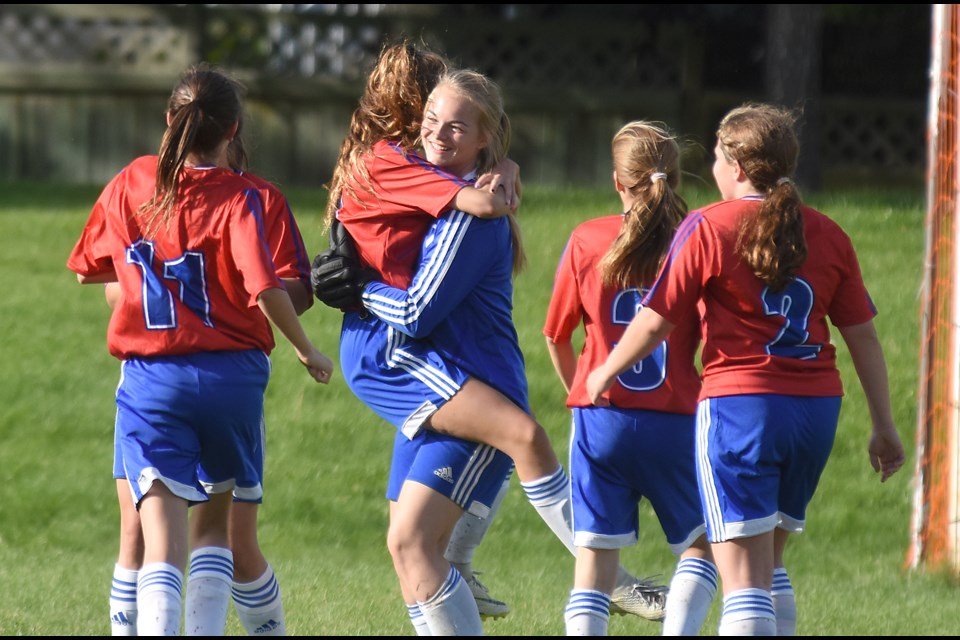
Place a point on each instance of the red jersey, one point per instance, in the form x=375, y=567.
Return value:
x=667, y=380
x=290, y=259
x=755, y=340
x=388, y=224
x=194, y=286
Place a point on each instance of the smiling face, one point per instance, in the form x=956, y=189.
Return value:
x=451, y=133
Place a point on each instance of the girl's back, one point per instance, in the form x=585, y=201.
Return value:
x=765, y=341
x=198, y=279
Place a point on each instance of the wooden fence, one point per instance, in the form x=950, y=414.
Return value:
x=83, y=87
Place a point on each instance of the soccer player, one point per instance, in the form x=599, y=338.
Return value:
x=386, y=196
x=641, y=445
x=183, y=239
x=255, y=591
x=764, y=273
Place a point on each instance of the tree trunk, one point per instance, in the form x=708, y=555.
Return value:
x=793, y=77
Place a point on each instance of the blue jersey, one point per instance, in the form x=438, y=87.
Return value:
x=461, y=301
x=420, y=345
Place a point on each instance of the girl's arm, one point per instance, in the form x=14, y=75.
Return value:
x=97, y=278
x=456, y=257
x=644, y=333
x=300, y=294
x=113, y=293
x=482, y=203
x=564, y=361
x=276, y=305
x=494, y=194
x=507, y=175
x=885, y=449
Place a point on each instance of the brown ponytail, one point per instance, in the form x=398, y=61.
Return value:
x=202, y=110
x=763, y=140
x=646, y=158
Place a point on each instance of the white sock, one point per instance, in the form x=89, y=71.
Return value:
x=748, y=612
x=468, y=534
x=259, y=605
x=159, y=597
x=208, y=592
x=692, y=589
x=784, y=603
x=452, y=611
x=550, y=496
x=587, y=613
x=417, y=620
x=123, y=602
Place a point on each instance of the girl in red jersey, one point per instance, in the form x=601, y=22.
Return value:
x=183, y=238
x=641, y=445
x=255, y=589
x=765, y=273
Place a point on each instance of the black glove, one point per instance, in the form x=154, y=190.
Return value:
x=336, y=275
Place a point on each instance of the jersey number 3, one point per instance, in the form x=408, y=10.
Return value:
x=649, y=373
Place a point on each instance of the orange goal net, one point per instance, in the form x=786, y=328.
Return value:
x=934, y=529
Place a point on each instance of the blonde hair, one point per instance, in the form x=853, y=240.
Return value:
x=390, y=108
x=484, y=94
x=646, y=158
x=202, y=109
x=762, y=139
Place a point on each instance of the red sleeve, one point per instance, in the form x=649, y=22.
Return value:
x=290, y=258
x=689, y=264
x=91, y=255
x=248, y=247
x=566, y=308
x=408, y=182
x=851, y=305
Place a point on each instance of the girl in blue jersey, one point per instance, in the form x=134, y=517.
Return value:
x=435, y=477
x=439, y=400
x=182, y=238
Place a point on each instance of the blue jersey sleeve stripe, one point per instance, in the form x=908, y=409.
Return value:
x=255, y=205
x=303, y=260
x=682, y=234
x=415, y=158
x=406, y=308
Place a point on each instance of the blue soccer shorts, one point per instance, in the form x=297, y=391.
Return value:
x=620, y=456
x=403, y=380
x=468, y=473
x=177, y=413
x=759, y=460
x=208, y=483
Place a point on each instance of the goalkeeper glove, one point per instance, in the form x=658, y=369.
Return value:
x=336, y=276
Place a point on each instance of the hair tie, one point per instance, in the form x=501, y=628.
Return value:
x=783, y=181
x=659, y=175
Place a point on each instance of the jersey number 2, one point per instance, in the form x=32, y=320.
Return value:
x=794, y=305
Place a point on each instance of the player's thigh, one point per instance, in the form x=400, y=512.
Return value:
x=481, y=413
x=422, y=520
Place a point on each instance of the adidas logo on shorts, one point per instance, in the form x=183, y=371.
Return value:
x=445, y=473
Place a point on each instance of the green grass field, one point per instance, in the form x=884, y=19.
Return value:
x=324, y=517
